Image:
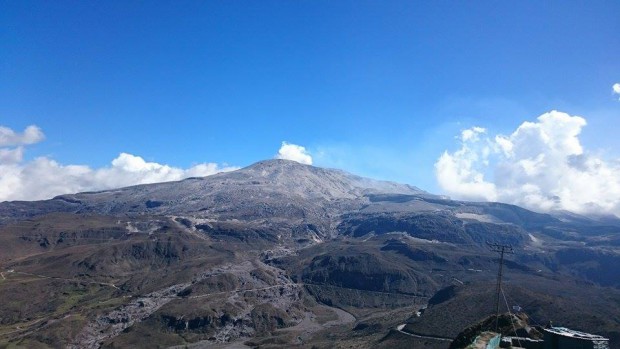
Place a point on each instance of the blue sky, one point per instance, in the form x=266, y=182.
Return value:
x=378, y=88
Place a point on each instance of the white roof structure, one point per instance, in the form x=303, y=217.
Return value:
x=563, y=331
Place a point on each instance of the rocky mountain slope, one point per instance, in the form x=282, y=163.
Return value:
x=270, y=188
x=280, y=254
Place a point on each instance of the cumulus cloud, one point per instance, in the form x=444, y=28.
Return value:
x=43, y=178
x=461, y=172
x=541, y=165
x=294, y=152
x=32, y=134
x=472, y=134
x=616, y=89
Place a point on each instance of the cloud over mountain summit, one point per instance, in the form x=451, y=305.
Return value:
x=294, y=152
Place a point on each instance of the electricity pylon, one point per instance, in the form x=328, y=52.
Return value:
x=501, y=249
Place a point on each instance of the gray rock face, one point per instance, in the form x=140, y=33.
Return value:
x=281, y=199
x=274, y=183
x=280, y=191
x=247, y=253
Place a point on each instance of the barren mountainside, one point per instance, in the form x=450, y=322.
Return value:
x=280, y=254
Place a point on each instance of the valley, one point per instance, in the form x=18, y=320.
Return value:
x=280, y=255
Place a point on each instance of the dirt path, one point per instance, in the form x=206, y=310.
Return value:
x=400, y=328
x=69, y=280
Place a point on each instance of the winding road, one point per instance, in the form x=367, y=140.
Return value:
x=400, y=328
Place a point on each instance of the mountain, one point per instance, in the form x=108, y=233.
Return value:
x=281, y=191
x=277, y=194
x=281, y=254
x=265, y=183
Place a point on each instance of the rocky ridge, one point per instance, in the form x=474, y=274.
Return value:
x=277, y=252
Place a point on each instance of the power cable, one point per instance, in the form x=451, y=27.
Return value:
x=514, y=328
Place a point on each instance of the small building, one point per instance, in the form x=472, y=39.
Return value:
x=522, y=342
x=564, y=338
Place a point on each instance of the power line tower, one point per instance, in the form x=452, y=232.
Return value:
x=501, y=249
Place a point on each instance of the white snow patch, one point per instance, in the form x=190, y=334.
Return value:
x=477, y=217
x=131, y=228
x=535, y=241
x=407, y=236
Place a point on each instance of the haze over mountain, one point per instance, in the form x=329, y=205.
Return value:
x=279, y=254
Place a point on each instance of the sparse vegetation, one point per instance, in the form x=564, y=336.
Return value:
x=327, y=265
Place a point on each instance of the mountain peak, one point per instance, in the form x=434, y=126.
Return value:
x=277, y=162
x=284, y=184
x=307, y=179
x=270, y=166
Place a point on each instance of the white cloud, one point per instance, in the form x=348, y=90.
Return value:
x=460, y=172
x=32, y=134
x=472, y=134
x=43, y=178
x=541, y=165
x=294, y=152
x=616, y=89
x=11, y=156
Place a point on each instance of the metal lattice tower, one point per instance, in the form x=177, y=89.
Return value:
x=501, y=249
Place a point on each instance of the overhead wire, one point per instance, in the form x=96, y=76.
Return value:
x=536, y=323
x=514, y=328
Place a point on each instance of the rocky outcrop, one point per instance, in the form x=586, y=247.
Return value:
x=507, y=325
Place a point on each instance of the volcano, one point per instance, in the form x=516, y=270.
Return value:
x=282, y=254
